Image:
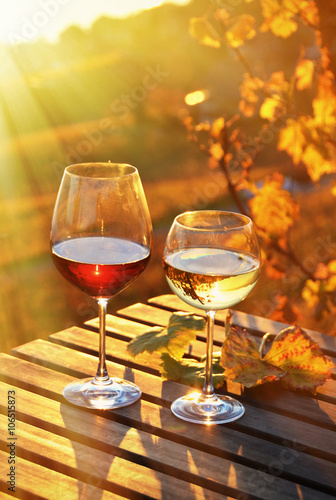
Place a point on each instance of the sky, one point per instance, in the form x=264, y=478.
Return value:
x=29, y=20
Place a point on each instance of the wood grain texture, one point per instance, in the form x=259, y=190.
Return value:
x=280, y=449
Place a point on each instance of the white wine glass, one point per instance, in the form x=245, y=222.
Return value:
x=101, y=236
x=211, y=261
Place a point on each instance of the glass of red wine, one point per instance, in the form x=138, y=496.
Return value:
x=101, y=236
x=212, y=262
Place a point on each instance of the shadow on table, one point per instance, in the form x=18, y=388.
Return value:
x=95, y=440
x=265, y=452
x=302, y=433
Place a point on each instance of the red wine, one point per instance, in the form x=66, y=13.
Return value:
x=98, y=265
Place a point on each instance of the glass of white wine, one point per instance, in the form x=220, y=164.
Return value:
x=212, y=262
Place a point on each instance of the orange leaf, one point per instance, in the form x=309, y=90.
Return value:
x=271, y=108
x=295, y=353
x=217, y=127
x=216, y=150
x=304, y=74
x=241, y=29
x=278, y=18
x=292, y=139
x=316, y=163
x=273, y=208
x=241, y=360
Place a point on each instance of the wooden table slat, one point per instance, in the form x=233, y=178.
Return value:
x=253, y=448
x=214, y=472
x=280, y=449
x=103, y=470
x=256, y=323
x=37, y=481
x=313, y=437
x=153, y=315
x=87, y=341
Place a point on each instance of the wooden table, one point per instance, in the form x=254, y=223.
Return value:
x=284, y=447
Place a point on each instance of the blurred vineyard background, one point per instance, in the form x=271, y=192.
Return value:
x=117, y=92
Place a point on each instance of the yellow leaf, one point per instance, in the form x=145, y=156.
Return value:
x=316, y=164
x=277, y=80
x=295, y=6
x=271, y=108
x=310, y=14
x=310, y=293
x=216, y=150
x=324, y=105
x=201, y=29
x=217, y=127
x=278, y=18
x=273, y=208
x=250, y=98
x=247, y=109
x=242, y=29
x=304, y=74
x=292, y=140
x=332, y=266
x=249, y=87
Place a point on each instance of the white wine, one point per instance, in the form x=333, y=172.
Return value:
x=211, y=278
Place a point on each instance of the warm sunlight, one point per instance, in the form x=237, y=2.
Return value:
x=23, y=21
x=196, y=97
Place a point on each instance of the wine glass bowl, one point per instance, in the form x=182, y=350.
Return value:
x=212, y=262
x=101, y=236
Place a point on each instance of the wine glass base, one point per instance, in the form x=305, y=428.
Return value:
x=200, y=409
x=115, y=393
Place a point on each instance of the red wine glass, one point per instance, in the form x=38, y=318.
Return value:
x=101, y=236
x=212, y=262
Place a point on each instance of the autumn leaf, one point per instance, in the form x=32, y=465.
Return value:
x=310, y=293
x=295, y=353
x=292, y=139
x=216, y=151
x=277, y=82
x=249, y=97
x=317, y=164
x=190, y=372
x=201, y=29
x=241, y=29
x=242, y=362
x=272, y=108
x=181, y=330
x=293, y=358
x=310, y=14
x=320, y=293
x=273, y=208
x=217, y=127
x=324, y=104
x=304, y=74
x=277, y=18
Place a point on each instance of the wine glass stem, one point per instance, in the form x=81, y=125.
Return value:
x=102, y=375
x=208, y=389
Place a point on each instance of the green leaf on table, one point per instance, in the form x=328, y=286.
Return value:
x=181, y=330
x=242, y=363
x=190, y=372
x=294, y=352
